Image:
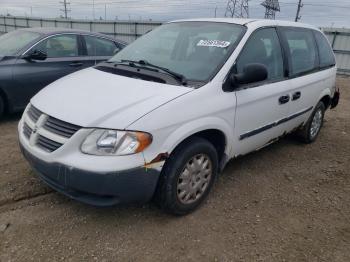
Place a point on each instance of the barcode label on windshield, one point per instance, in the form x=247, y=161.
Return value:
x=214, y=43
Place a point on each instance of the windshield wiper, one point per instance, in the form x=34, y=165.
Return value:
x=181, y=78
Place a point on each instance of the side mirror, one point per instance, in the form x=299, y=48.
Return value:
x=252, y=73
x=36, y=55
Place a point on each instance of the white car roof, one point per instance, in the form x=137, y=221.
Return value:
x=254, y=23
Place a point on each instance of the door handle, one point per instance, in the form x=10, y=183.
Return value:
x=76, y=64
x=296, y=96
x=284, y=99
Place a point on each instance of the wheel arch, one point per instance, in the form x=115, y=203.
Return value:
x=218, y=133
x=214, y=136
x=325, y=97
x=326, y=101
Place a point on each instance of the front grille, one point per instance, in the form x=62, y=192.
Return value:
x=27, y=131
x=50, y=133
x=48, y=144
x=34, y=113
x=61, y=128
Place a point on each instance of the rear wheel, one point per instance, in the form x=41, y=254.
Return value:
x=313, y=127
x=187, y=177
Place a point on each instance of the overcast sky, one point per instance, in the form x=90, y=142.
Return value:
x=318, y=12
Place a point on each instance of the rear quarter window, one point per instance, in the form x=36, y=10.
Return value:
x=326, y=54
x=96, y=46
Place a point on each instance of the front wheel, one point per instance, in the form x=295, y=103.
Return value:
x=313, y=127
x=187, y=177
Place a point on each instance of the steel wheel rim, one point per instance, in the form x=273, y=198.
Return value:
x=316, y=123
x=194, y=179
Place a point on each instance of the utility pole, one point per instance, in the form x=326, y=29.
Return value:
x=65, y=10
x=105, y=11
x=216, y=8
x=271, y=7
x=237, y=8
x=93, y=9
x=298, y=16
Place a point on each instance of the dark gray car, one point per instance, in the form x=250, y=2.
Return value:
x=32, y=58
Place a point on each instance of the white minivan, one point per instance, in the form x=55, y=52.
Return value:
x=163, y=117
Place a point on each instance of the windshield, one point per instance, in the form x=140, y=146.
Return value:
x=196, y=50
x=14, y=41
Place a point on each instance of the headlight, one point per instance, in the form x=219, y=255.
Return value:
x=114, y=142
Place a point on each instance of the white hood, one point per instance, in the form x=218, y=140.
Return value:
x=92, y=98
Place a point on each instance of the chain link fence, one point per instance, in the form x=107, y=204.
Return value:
x=126, y=31
x=340, y=40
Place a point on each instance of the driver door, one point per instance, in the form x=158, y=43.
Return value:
x=63, y=57
x=261, y=107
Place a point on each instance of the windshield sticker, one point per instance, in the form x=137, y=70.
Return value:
x=213, y=43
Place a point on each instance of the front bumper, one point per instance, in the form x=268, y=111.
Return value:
x=134, y=186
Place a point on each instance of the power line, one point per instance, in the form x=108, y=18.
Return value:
x=65, y=10
x=271, y=7
x=93, y=9
x=174, y=9
x=237, y=8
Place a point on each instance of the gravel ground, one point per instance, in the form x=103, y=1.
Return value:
x=287, y=202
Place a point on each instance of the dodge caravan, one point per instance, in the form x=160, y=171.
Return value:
x=161, y=118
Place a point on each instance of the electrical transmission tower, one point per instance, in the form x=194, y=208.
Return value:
x=298, y=16
x=237, y=8
x=271, y=7
x=65, y=10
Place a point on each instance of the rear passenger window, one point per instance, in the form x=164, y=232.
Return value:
x=263, y=47
x=325, y=51
x=100, y=47
x=302, y=50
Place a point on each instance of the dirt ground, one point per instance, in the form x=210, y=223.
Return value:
x=287, y=202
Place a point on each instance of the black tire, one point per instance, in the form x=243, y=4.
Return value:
x=305, y=134
x=167, y=190
x=2, y=107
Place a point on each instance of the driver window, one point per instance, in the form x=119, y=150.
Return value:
x=59, y=46
x=263, y=47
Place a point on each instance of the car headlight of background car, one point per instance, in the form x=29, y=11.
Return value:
x=115, y=142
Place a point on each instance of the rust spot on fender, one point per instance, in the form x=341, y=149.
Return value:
x=159, y=158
